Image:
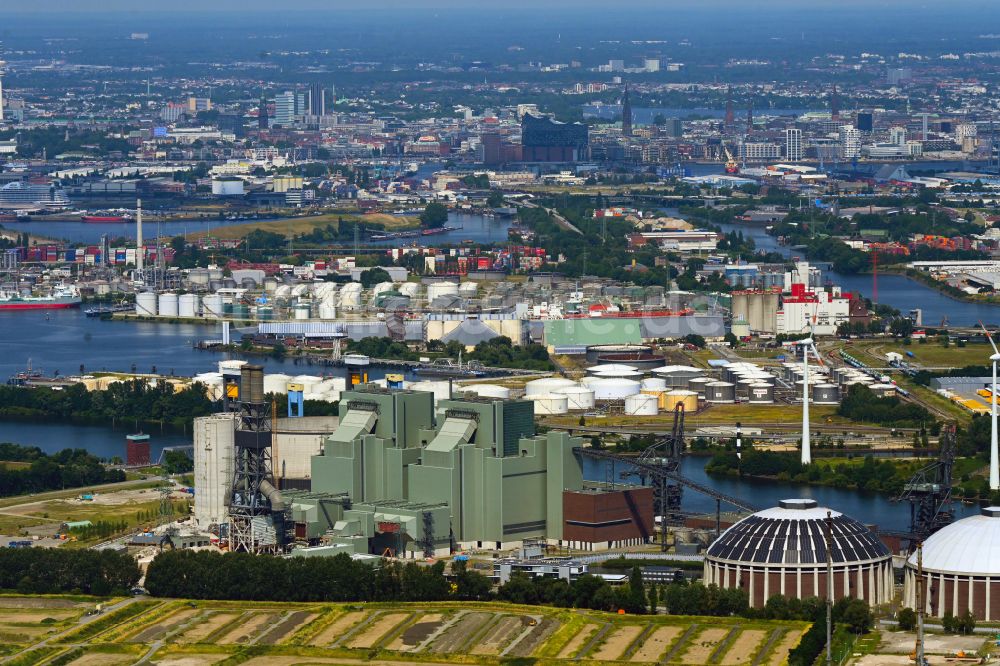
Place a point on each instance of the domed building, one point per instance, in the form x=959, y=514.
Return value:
x=961, y=568
x=783, y=551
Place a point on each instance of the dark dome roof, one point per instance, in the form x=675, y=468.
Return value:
x=795, y=533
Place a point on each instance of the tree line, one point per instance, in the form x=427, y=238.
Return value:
x=131, y=400
x=861, y=404
x=69, y=468
x=62, y=571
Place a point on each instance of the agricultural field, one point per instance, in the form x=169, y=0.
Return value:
x=187, y=633
x=294, y=226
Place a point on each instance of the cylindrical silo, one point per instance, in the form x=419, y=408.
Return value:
x=720, y=392
x=642, y=405
x=680, y=396
x=653, y=383
x=826, y=394
x=167, y=304
x=187, y=305
x=328, y=309
x=577, y=397
x=302, y=311
x=546, y=385
x=276, y=383
x=550, y=403
x=698, y=384
x=487, y=390
x=613, y=388
x=761, y=394
x=146, y=304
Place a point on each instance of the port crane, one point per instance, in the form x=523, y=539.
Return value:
x=731, y=165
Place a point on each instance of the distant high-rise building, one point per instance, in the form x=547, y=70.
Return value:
x=850, y=142
x=172, y=112
x=545, y=140
x=898, y=75
x=793, y=144
x=651, y=64
x=284, y=108
x=674, y=127
x=834, y=104
x=865, y=121
x=317, y=100
x=196, y=104
x=897, y=136
x=616, y=65
x=626, y=114
x=262, y=119
x=750, y=116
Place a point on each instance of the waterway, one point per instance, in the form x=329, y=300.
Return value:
x=897, y=291
x=478, y=228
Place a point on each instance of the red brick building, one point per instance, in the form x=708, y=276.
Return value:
x=598, y=519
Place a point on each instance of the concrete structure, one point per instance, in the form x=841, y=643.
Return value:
x=961, y=569
x=783, y=551
x=213, y=468
x=597, y=519
x=793, y=144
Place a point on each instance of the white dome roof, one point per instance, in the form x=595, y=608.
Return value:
x=968, y=546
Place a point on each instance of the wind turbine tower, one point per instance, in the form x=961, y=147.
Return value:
x=994, y=455
x=2, y=71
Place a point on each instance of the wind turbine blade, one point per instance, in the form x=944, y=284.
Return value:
x=989, y=337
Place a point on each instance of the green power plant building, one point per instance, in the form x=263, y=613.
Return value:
x=403, y=475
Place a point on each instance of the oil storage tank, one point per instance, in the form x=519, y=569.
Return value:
x=146, y=304
x=682, y=397
x=826, y=394
x=550, y=403
x=187, y=305
x=613, y=388
x=212, y=306
x=577, y=397
x=720, y=392
x=546, y=385
x=642, y=405
x=782, y=551
x=760, y=394
x=167, y=304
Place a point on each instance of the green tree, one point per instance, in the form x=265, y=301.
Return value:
x=435, y=215
x=177, y=462
x=907, y=619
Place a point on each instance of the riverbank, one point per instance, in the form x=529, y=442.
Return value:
x=296, y=226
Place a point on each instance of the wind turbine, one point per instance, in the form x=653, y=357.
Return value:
x=994, y=463
x=806, y=345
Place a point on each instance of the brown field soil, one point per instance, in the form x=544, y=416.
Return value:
x=191, y=660
x=536, y=638
x=10, y=616
x=244, y=632
x=657, y=643
x=162, y=627
x=417, y=632
x=9, y=634
x=371, y=634
x=616, y=643
x=577, y=642
x=499, y=635
x=452, y=639
x=287, y=626
x=703, y=645
x=299, y=661
x=744, y=648
x=789, y=641
x=337, y=628
x=102, y=659
x=205, y=627
x=38, y=602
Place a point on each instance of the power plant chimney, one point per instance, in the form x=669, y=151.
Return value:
x=139, y=249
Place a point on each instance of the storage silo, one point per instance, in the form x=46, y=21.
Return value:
x=642, y=405
x=680, y=396
x=610, y=369
x=328, y=309
x=212, y=306
x=546, y=385
x=548, y=404
x=720, y=392
x=653, y=383
x=440, y=388
x=187, y=305
x=698, y=384
x=826, y=394
x=438, y=289
x=276, y=383
x=488, y=390
x=613, y=388
x=146, y=304
x=167, y=304
x=883, y=390
x=410, y=289
x=761, y=394
x=577, y=397
x=302, y=311
x=212, y=382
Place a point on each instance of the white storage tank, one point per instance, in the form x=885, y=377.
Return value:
x=698, y=384
x=145, y=304
x=468, y=289
x=487, y=390
x=283, y=291
x=883, y=390
x=440, y=388
x=653, y=383
x=187, y=305
x=213, y=383
x=577, y=397
x=327, y=310
x=211, y=306
x=325, y=290
x=350, y=296
x=437, y=289
x=276, y=383
x=232, y=364
x=301, y=290
x=546, y=385
x=613, y=388
x=302, y=312
x=642, y=405
x=167, y=304
x=381, y=288
x=550, y=403
x=610, y=368
x=410, y=289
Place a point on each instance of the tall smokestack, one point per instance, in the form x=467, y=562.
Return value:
x=139, y=250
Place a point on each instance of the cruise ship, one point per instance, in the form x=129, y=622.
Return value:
x=20, y=195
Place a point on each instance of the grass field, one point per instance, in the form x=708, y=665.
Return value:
x=932, y=354
x=294, y=226
x=714, y=415
x=182, y=633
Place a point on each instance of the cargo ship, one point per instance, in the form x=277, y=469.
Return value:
x=60, y=298
x=103, y=219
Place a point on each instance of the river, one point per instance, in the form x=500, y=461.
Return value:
x=897, y=291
